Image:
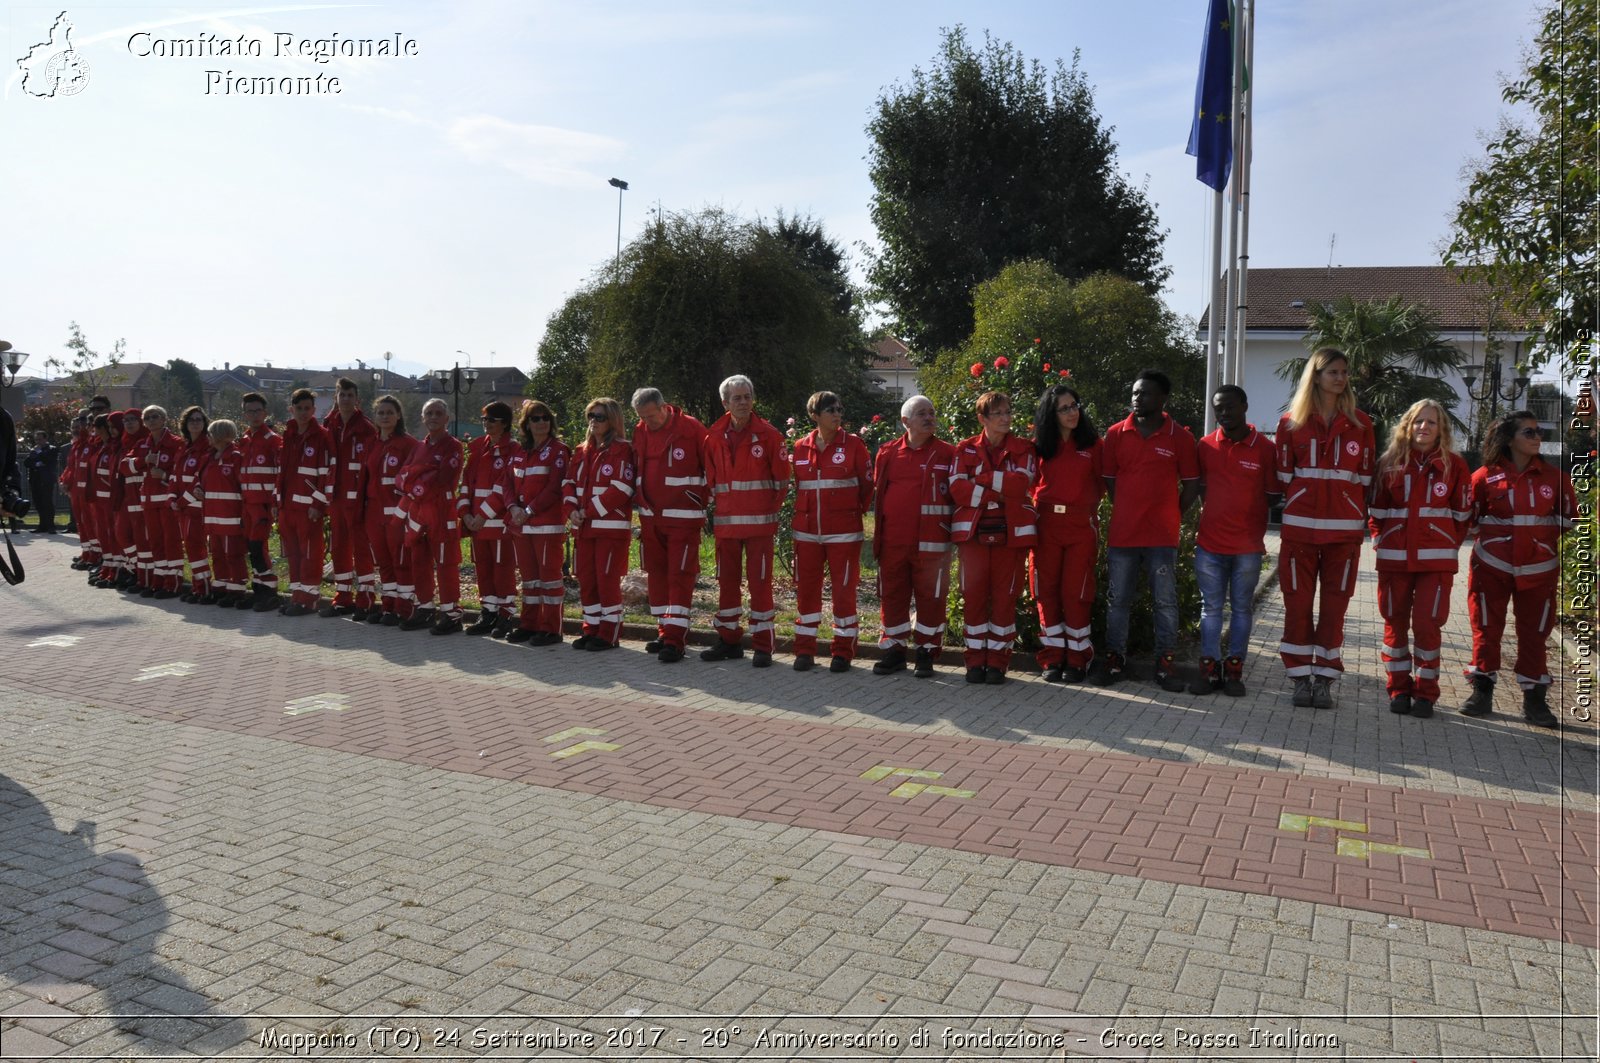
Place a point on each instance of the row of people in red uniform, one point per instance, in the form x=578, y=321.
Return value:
x=397, y=507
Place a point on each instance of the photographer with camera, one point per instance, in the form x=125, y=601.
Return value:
x=13, y=507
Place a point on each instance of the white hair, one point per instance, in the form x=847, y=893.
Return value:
x=431, y=403
x=148, y=410
x=645, y=396
x=738, y=380
x=910, y=404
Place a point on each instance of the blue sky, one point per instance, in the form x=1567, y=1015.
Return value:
x=453, y=199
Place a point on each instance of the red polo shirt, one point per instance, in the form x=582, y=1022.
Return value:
x=1147, y=474
x=1238, y=477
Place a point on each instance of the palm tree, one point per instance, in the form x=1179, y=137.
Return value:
x=1396, y=355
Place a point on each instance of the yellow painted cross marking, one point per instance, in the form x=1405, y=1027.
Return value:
x=912, y=789
x=572, y=732
x=883, y=771
x=1294, y=821
x=585, y=747
x=156, y=671
x=1362, y=849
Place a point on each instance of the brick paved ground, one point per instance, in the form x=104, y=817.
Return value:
x=186, y=866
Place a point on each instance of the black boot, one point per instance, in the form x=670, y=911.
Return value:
x=1535, y=709
x=1481, y=703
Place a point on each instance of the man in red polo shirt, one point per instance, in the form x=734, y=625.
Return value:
x=1152, y=476
x=1238, y=480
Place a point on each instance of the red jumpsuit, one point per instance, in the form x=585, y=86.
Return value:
x=355, y=579
x=483, y=494
x=105, y=491
x=428, y=482
x=222, y=510
x=911, y=540
x=1520, y=518
x=160, y=456
x=191, y=521
x=1067, y=500
x=995, y=524
x=306, y=483
x=671, y=499
x=385, y=524
x=1326, y=470
x=258, y=482
x=1419, y=519
x=535, y=486
x=833, y=490
x=75, y=479
x=750, y=477
x=600, y=483
x=133, y=531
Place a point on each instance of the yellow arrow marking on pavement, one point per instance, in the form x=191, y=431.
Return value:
x=883, y=771
x=156, y=671
x=56, y=640
x=1361, y=848
x=572, y=732
x=585, y=747
x=912, y=789
x=1295, y=822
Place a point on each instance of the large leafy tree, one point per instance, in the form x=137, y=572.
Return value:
x=699, y=297
x=1396, y=355
x=1527, y=221
x=986, y=159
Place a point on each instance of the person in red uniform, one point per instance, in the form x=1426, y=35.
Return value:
x=833, y=491
x=384, y=524
x=537, y=524
x=1521, y=506
x=75, y=482
x=1152, y=466
x=222, y=509
x=105, y=490
x=481, y=510
x=995, y=526
x=669, y=448
x=161, y=452
x=750, y=476
x=258, y=481
x=1238, y=481
x=1067, y=500
x=355, y=576
x=134, y=530
x=305, y=488
x=1325, y=459
x=191, y=521
x=911, y=538
x=428, y=483
x=1419, y=516
x=597, y=498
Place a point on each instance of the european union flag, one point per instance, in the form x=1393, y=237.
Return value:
x=1211, y=135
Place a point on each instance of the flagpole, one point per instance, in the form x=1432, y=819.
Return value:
x=1231, y=368
x=1214, y=367
x=1241, y=171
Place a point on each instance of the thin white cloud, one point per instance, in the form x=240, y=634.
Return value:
x=545, y=154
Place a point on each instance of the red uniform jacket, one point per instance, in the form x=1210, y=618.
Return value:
x=927, y=516
x=428, y=481
x=1420, y=514
x=379, y=471
x=307, y=476
x=196, y=456
x=833, y=488
x=1520, y=516
x=981, y=485
x=535, y=484
x=263, y=460
x=1068, y=493
x=352, y=441
x=671, y=470
x=105, y=486
x=749, y=477
x=168, y=451
x=483, y=485
x=1326, y=471
x=222, y=506
x=131, y=470
x=600, y=482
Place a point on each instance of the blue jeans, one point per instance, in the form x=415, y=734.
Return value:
x=1160, y=564
x=1235, y=575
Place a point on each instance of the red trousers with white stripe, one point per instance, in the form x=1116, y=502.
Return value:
x=1418, y=602
x=496, y=562
x=1064, y=589
x=671, y=557
x=354, y=567
x=1489, y=591
x=385, y=537
x=907, y=574
x=166, y=546
x=843, y=563
x=539, y=559
x=305, y=545
x=257, y=532
x=192, y=531
x=228, y=564
x=1313, y=638
x=433, y=555
x=601, y=564
x=991, y=579
x=739, y=560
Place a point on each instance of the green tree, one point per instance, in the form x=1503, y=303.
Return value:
x=1526, y=222
x=181, y=386
x=984, y=160
x=1396, y=355
x=89, y=373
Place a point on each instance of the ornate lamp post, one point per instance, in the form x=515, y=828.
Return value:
x=455, y=381
x=1493, y=391
x=10, y=361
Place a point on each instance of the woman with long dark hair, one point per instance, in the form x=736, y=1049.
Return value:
x=1067, y=498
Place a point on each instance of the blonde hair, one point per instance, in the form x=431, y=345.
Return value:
x=1304, y=404
x=1400, y=448
x=613, y=411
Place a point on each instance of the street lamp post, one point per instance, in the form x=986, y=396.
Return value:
x=621, y=186
x=456, y=380
x=10, y=362
x=1493, y=392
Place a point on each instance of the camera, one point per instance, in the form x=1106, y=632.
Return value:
x=13, y=503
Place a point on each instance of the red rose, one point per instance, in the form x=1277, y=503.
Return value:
x=1036, y=339
x=977, y=368
x=1066, y=373
x=1047, y=367
x=1001, y=362
x=877, y=417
